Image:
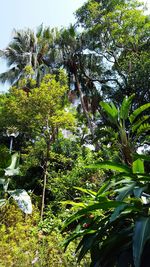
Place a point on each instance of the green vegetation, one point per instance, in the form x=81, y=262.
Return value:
x=74, y=141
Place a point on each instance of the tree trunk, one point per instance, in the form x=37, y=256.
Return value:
x=43, y=193
x=84, y=106
x=45, y=179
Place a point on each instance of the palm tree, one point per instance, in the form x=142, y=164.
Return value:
x=72, y=46
x=27, y=48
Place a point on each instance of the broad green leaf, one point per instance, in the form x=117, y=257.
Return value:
x=140, y=237
x=23, y=200
x=94, y=207
x=138, y=111
x=111, y=111
x=114, y=166
x=124, y=110
x=117, y=212
x=13, y=169
x=138, y=166
x=125, y=191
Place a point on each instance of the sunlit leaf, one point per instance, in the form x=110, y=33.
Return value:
x=110, y=166
x=138, y=111
x=23, y=200
x=138, y=166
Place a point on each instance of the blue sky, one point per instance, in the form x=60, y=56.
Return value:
x=20, y=14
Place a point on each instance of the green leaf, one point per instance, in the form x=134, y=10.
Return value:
x=111, y=111
x=138, y=166
x=145, y=157
x=140, y=237
x=103, y=188
x=136, y=125
x=76, y=204
x=114, y=166
x=96, y=206
x=125, y=191
x=117, y=212
x=13, y=169
x=23, y=200
x=143, y=129
x=87, y=191
x=124, y=110
x=138, y=111
x=85, y=244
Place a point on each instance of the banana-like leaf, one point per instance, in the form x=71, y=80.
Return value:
x=140, y=237
x=124, y=110
x=138, y=166
x=111, y=111
x=23, y=200
x=111, y=204
x=13, y=169
x=138, y=111
x=108, y=165
x=145, y=127
x=136, y=125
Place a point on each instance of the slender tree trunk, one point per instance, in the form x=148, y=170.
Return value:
x=43, y=193
x=45, y=179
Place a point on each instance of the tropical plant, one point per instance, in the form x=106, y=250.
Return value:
x=118, y=32
x=39, y=116
x=115, y=220
x=19, y=195
x=127, y=127
x=28, y=49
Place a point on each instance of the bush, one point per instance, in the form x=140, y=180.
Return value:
x=23, y=243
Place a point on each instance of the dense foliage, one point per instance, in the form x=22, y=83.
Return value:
x=74, y=141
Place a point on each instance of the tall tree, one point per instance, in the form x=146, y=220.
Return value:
x=78, y=63
x=39, y=115
x=28, y=48
x=119, y=31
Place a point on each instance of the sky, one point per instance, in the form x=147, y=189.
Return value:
x=21, y=14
